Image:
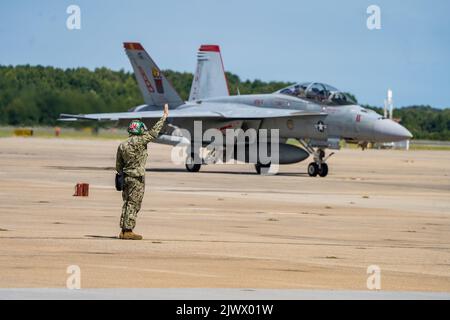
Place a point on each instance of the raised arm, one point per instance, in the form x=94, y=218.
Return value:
x=154, y=132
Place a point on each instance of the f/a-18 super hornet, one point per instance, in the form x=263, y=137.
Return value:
x=317, y=115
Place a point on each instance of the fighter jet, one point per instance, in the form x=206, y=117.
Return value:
x=315, y=114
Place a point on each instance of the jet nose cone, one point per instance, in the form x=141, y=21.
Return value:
x=390, y=131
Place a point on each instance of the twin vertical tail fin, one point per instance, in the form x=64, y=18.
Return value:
x=154, y=86
x=209, y=79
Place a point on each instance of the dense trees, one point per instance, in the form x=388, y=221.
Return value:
x=36, y=95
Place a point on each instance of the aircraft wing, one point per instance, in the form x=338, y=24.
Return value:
x=175, y=113
x=203, y=111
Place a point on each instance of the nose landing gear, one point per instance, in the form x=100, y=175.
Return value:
x=315, y=169
x=319, y=167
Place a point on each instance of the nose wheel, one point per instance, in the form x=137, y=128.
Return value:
x=315, y=169
x=319, y=167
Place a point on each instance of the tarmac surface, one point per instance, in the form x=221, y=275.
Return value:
x=225, y=227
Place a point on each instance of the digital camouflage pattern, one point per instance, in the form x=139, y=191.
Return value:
x=131, y=158
x=132, y=195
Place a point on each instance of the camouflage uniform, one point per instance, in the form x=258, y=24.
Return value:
x=131, y=159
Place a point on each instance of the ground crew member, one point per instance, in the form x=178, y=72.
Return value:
x=131, y=158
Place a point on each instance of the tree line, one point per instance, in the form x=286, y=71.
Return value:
x=36, y=95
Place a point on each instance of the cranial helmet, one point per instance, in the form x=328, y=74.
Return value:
x=136, y=127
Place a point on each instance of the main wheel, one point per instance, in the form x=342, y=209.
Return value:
x=262, y=168
x=313, y=169
x=191, y=166
x=323, y=170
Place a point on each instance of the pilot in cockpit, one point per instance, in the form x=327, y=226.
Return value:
x=300, y=91
x=318, y=92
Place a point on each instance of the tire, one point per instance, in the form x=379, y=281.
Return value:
x=191, y=166
x=313, y=169
x=262, y=168
x=323, y=170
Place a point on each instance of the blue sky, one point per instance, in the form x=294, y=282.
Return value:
x=325, y=41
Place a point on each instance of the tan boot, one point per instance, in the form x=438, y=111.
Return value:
x=129, y=235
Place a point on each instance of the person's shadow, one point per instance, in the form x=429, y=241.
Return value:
x=101, y=237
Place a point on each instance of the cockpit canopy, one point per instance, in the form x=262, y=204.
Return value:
x=319, y=93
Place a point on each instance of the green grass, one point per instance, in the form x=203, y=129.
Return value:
x=69, y=133
x=5, y=134
x=429, y=147
x=412, y=146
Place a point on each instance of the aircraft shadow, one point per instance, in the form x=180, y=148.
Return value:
x=182, y=170
x=282, y=174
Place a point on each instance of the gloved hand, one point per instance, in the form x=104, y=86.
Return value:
x=166, y=110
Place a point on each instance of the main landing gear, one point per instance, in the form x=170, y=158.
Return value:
x=191, y=165
x=319, y=167
x=262, y=168
x=195, y=160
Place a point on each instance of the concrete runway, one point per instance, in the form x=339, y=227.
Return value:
x=225, y=227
